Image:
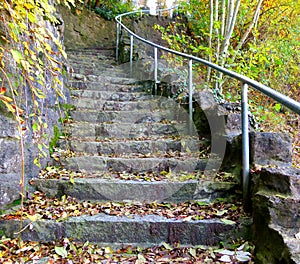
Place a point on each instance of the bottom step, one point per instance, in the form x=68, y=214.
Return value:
x=188, y=223
x=150, y=229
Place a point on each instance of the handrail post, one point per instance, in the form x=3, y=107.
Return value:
x=190, y=86
x=117, y=42
x=155, y=71
x=245, y=148
x=131, y=54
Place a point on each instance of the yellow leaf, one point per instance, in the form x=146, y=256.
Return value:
x=16, y=55
x=5, y=98
x=32, y=218
x=28, y=6
x=47, y=47
x=8, y=106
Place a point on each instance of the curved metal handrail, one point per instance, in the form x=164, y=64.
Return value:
x=246, y=81
x=281, y=98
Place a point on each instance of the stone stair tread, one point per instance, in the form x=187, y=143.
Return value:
x=103, y=79
x=109, y=189
x=112, y=222
x=132, y=146
x=123, y=130
x=86, y=55
x=140, y=118
x=104, y=69
x=96, y=164
x=135, y=154
x=105, y=86
x=151, y=229
x=164, y=138
x=149, y=104
x=108, y=95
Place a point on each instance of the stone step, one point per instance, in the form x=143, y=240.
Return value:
x=136, y=129
x=89, y=54
x=134, y=117
x=103, y=68
x=134, y=146
x=108, y=95
x=97, y=189
x=92, y=63
x=146, y=104
x=98, y=164
x=105, y=86
x=131, y=229
x=87, y=60
x=94, y=82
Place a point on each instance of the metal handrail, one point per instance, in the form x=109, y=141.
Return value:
x=246, y=82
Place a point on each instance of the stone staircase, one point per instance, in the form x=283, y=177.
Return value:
x=124, y=145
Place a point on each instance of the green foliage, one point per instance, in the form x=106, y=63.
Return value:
x=270, y=54
x=54, y=140
x=111, y=11
x=108, y=9
x=66, y=112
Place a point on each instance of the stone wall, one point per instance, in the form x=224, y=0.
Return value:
x=276, y=215
x=83, y=29
x=9, y=160
x=10, y=146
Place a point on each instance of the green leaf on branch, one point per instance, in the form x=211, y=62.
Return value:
x=16, y=55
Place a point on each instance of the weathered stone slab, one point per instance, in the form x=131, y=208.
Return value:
x=132, y=146
x=140, y=191
x=103, y=86
x=106, y=105
x=276, y=222
x=134, y=129
x=108, y=95
x=95, y=164
x=10, y=156
x=149, y=229
x=279, y=210
x=9, y=188
x=8, y=127
x=36, y=231
x=285, y=181
x=269, y=148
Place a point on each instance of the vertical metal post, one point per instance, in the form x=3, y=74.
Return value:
x=117, y=42
x=155, y=71
x=246, y=148
x=131, y=54
x=190, y=85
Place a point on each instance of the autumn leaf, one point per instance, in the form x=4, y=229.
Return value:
x=6, y=98
x=29, y=6
x=2, y=90
x=16, y=55
x=61, y=251
x=20, y=111
x=228, y=222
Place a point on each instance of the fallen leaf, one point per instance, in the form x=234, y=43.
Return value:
x=167, y=246
x=225, y=258
x=243, y=256
x=61, y=251
x=227, y=221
